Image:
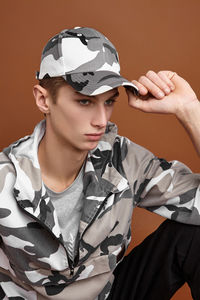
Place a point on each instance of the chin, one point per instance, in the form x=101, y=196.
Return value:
x=92, y=146
x=86, y=148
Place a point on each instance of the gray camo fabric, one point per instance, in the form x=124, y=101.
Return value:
x=119, y=175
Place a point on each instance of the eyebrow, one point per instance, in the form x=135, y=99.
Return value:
x=115, y=95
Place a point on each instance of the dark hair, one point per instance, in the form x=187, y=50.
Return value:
x=52, y=85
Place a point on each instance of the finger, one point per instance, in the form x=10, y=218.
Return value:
x=171, y=74
x=160, y=82
x=167, y=77
x=141, y=88
x=151, y=87
x=142, y=105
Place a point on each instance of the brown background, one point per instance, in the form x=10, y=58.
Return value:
x=149, y=34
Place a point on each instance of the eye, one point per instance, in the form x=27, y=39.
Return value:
x=110, y=102
x=84, y=102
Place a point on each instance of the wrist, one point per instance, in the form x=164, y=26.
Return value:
x=189, y=117
x=189, y=112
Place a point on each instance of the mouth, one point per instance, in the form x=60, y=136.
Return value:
x=94, y=136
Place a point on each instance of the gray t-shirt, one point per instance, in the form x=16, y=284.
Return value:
x=68, y=205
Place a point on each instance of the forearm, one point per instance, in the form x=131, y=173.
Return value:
x=190, y=119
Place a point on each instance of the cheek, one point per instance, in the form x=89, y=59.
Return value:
x=78, y=122
x=73, y=120
x=109, y=113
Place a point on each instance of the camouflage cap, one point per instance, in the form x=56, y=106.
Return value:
x=86, y=59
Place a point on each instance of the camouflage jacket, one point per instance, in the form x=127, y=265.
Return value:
x=119, y=175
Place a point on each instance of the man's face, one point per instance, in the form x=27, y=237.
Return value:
x=79, y=121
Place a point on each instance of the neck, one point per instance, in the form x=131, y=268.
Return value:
x=59, y=164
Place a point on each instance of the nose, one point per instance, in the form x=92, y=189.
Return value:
x=100, y=117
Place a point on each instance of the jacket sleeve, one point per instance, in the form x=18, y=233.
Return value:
x=169, y=189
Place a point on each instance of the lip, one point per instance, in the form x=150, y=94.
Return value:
x=94, y=136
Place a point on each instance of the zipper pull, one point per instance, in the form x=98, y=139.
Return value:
x=71, y=270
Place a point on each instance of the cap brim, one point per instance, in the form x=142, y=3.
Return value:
x=94, y=83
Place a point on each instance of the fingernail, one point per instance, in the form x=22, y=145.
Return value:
x=161, y=94
x=143, y=90
x=172, y=87
x=167, y=90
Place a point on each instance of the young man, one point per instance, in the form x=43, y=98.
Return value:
x=67, y=191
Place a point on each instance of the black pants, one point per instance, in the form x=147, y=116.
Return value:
x=160, y=265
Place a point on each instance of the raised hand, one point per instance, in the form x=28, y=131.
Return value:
x=162, y=92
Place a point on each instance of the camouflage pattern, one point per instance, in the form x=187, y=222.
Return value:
x=86, y=59
x=119, y=175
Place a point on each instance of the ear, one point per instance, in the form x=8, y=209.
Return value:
x=41, y=98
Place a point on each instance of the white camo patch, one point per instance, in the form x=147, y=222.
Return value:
x=77, y=54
